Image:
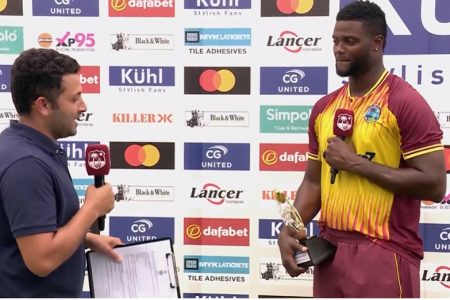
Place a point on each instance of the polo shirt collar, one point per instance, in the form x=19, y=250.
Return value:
x=35, y=136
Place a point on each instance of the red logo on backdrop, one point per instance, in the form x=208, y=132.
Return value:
x=447, y=158
x=223, y=232
x=282, y=157
x=441, y=275
x=270, y=194
x=90, y=79
x=141, y=8
x=444, y=271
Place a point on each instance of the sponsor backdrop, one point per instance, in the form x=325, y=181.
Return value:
x=205, y=105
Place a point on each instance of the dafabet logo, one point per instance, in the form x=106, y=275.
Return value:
x=140, y=8
x=294, y=8
x=282, y=157
x=142, y=155
x=90, y=79
x=217, y=80
x=226, y=232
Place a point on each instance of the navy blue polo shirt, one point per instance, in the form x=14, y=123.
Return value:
x=36, y=196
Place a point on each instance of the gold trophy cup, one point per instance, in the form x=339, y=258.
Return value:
x=319, y=249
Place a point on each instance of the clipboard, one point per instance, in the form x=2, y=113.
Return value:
x=148, y=270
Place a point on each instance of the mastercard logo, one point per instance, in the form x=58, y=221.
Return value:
x=194, y=231
x=146, y=155
x=3, y=4
x=118, y=5
x=269, y=157
x=45, y=40
x=294, y=6
x=212, y=80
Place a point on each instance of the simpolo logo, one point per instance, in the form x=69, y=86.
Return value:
x=142, y=155
x=294, y=8
x=11, y=7
x=217, y=80
x=11, y=39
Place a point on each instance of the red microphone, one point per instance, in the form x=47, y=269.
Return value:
x=98, y=163
x=342, y=127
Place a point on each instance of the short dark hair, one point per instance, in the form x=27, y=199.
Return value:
x=36, y=73
x=369, y=13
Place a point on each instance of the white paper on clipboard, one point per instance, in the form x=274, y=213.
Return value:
x=148, y=270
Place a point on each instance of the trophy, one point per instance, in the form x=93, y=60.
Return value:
x=319, y=249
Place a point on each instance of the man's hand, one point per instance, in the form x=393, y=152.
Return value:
x=100, y=199
x=340, y=154
x=104, y=244
x=289, y=245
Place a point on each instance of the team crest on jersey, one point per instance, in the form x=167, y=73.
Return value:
x=372, y=113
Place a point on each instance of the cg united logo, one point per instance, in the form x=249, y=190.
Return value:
x=142, y=155
x=294, y=8
x=217, y=80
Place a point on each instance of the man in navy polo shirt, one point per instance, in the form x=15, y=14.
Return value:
x=43, y=231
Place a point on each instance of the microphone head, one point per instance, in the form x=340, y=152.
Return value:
x=343, y=122
x=97, y=159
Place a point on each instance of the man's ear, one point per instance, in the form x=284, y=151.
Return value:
x=42, y=106
x=378, y=43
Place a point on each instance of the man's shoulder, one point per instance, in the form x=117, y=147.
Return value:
x=15, y=147
x=323, y=102
x=397, y=85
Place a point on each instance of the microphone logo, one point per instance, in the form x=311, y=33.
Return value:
x=96, y=159
x=344, y=121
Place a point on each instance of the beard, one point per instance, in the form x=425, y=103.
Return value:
x=354, y=67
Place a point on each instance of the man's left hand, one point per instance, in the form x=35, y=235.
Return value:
x=104, y=244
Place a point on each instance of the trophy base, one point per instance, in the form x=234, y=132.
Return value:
x=319, y=250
